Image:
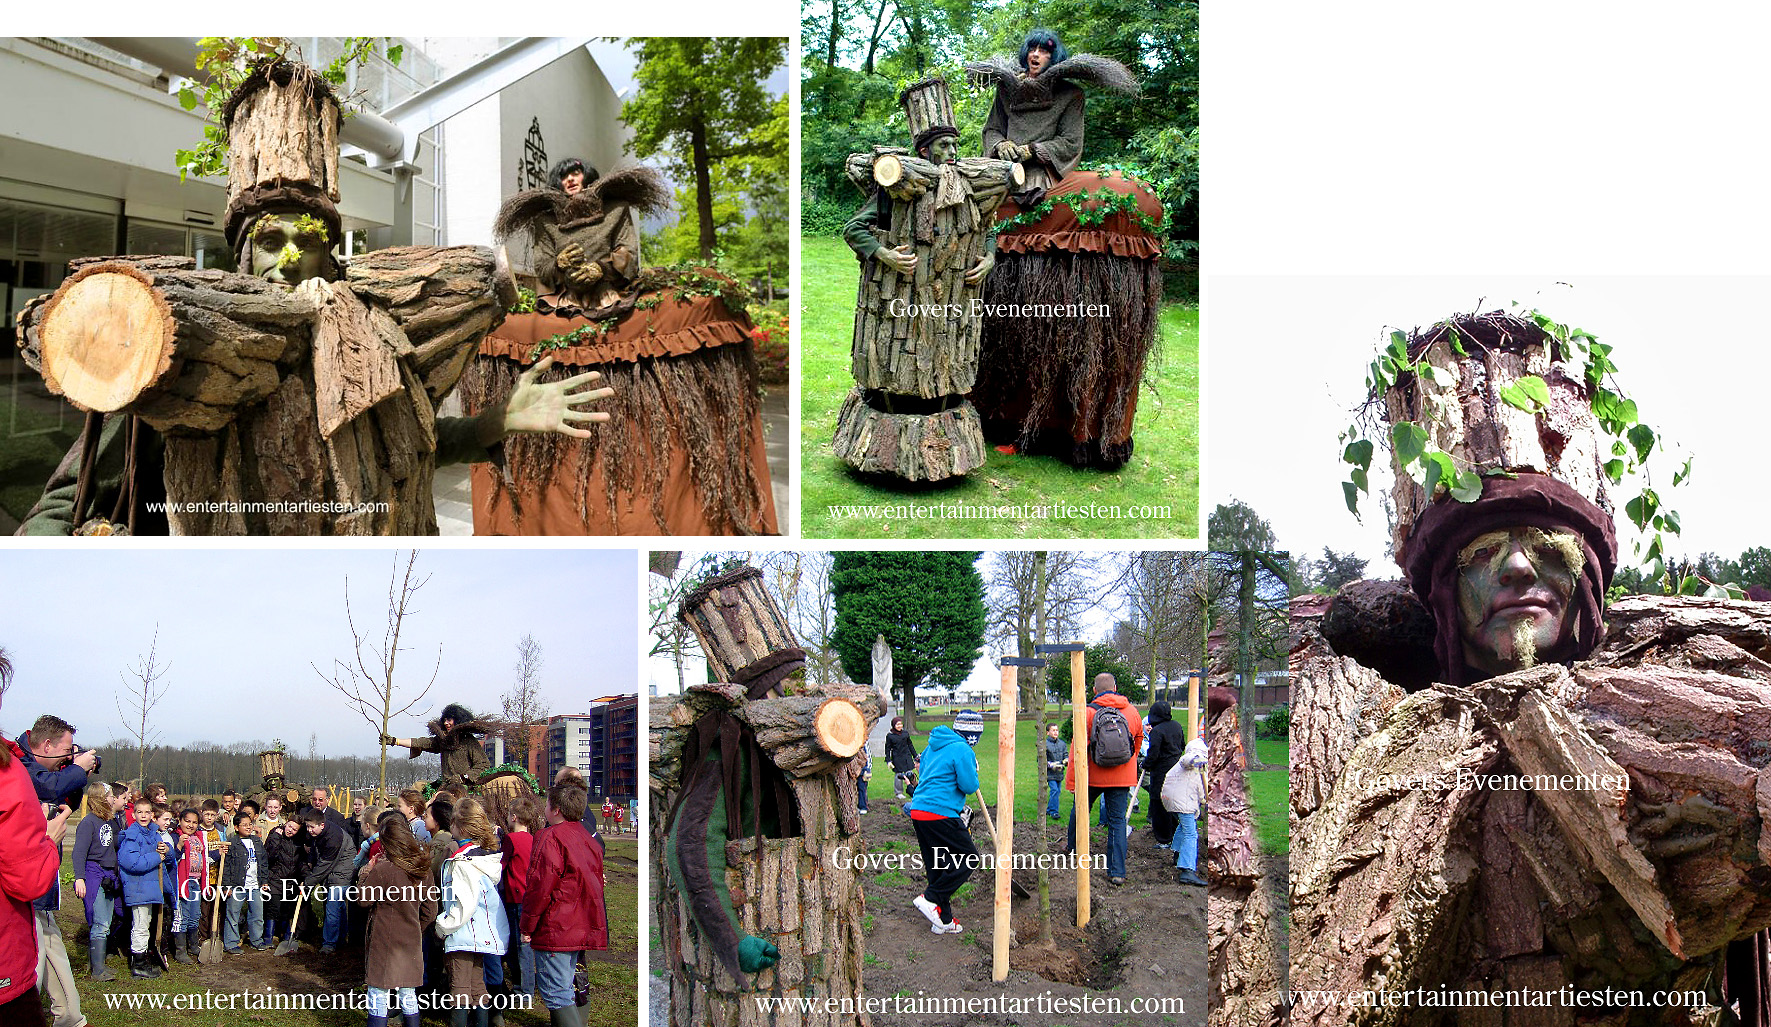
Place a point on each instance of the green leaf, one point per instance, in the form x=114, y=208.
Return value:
x=1642, y=508
x=1642, y=437
x=1529, y=394
x=1691, y=586
x=1670, y=521
x=1457, y=343
x=1614, y=470
x=1467, y=488
x=187, y=98
x=1408, y=440
x=1619, y=449
x=394, y=53
x=1440, y=471
x=1684, y=473
x=1358, y=453
x=1352, y=493
x=1361, y=479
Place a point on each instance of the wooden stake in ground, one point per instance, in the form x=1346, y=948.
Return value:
x=1005, y=805
x=1079, y=764
x=1192, y=705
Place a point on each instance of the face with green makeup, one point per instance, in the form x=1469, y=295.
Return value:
x=289, y=248
x=943, y=150
x=1513, y=592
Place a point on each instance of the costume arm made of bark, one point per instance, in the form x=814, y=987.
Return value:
x=1062, y=151
x=696, y=855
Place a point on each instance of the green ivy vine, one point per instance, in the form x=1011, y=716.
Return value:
x=1090, y=207
x=1632, y=440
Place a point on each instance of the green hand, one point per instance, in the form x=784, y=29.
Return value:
x=756, y=954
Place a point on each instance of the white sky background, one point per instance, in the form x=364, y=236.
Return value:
x=239, y=628
x=1691, y=351
x=1097, y=625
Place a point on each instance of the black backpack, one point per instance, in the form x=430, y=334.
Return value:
x=1109, y=738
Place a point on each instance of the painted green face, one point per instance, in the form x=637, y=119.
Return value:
x=289, y=248
x=944, y=150
x=1513, y=590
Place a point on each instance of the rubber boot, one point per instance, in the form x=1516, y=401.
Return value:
x=377, y=1021
x=409, y=1020
x=458, y=1017
x=180, y=947
x=566, y=1016
x=142, y=965
x=96, y=956
x=481, y=1017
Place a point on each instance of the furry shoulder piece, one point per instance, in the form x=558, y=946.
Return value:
x=639, y=187
x=461, y=733
x=1083, y=68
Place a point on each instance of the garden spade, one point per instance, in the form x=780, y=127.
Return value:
x=289, y=944
x=1019, y=889
x=211, y=951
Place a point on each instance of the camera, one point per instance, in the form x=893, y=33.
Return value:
x=98, y=762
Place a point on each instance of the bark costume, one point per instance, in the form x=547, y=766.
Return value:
x=758, y=777
x=1066, y=383
x=1649, y=873
x=683, y=453
x=301, y=416
x=915, y=349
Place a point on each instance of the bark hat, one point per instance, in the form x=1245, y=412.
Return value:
x=1542, y=467
x=282, y=128
x=929, y=108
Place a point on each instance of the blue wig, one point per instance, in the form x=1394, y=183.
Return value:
x=1047, y=39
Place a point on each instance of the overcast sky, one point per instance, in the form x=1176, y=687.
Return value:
x=1288, y=359
x=240, y=628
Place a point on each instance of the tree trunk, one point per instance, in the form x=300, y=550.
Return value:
x=1247, y=615
x=1242, y=963
x=914, y=447
x=703, y=187
x=737, y=622
x=810, y=734
x=1635, y=870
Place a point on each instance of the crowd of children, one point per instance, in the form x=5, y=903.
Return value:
x=448, y=902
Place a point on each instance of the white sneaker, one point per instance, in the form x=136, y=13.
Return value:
x=952, y=928
x=930, y=910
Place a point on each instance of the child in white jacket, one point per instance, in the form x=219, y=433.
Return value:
x=1183, y=792
x=471, y=922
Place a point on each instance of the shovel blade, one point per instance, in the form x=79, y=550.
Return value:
x=286, y=946
x=211, y=951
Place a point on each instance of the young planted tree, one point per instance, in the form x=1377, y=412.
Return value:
x=523, y=704
x=144, y=694
x=367, y=681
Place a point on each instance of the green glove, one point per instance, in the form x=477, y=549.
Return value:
x=755, y=954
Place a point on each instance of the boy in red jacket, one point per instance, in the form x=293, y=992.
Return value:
x=563, y=912
x=28, y=863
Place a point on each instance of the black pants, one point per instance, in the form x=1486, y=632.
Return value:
x=23, y=1010
x=1161, y=820
x=948, y=856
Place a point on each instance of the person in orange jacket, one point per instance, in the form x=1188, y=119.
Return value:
x=1113, y=735
x=28, y=865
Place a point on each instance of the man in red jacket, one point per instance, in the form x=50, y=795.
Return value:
x=28, y=861
x=563, y=912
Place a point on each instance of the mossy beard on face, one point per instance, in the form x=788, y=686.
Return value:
x=1513, y=591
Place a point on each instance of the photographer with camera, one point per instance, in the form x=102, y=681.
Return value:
x=28, y=862
x=58, y=770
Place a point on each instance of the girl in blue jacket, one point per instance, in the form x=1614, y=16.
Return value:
x=949, y=774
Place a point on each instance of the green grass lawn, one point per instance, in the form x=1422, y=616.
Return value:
x=1270, y=793
x=1163, y=471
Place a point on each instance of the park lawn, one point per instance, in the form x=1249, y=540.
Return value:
x=1270, y=793
x=1163, y=470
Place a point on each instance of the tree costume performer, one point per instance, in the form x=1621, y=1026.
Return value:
x=295, y=405
x=455, y=737
x=687, y=456
x=1065, y=381
x=758, y=775
x=924, y=244
x=1568, y=796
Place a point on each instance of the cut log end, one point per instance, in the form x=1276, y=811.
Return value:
x=1017, y=174
x=106, y=337
x=840, y=726
x=887, y=170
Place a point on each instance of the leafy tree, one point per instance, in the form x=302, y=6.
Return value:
x=929, y=606
x=1099, y=658
x=1337, y=570
x=1754, y=567
x=1257, y=586
x=702, y=104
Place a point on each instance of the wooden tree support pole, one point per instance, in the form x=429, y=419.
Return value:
x=1005, y=809
x=1079, y=765
x=1192, y=705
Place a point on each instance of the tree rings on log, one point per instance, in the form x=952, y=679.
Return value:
x=887, y=170
x=105, y=337
x=807, y=734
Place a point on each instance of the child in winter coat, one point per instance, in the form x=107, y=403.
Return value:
x=1183, y=790
x=472, y=920
x=282, y=850
x=516, y=845
x=95, y=869
x=395, y=887
x=144, y=860
x=243, y=880
x=191, y=881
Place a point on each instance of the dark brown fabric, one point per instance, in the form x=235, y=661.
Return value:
x=278, y=198
x=1120, y=234
x=394, y=950
x=1747, y=979
x=1527, y=500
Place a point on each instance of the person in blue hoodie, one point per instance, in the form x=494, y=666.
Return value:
x=949, y=774
x=144, y=861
